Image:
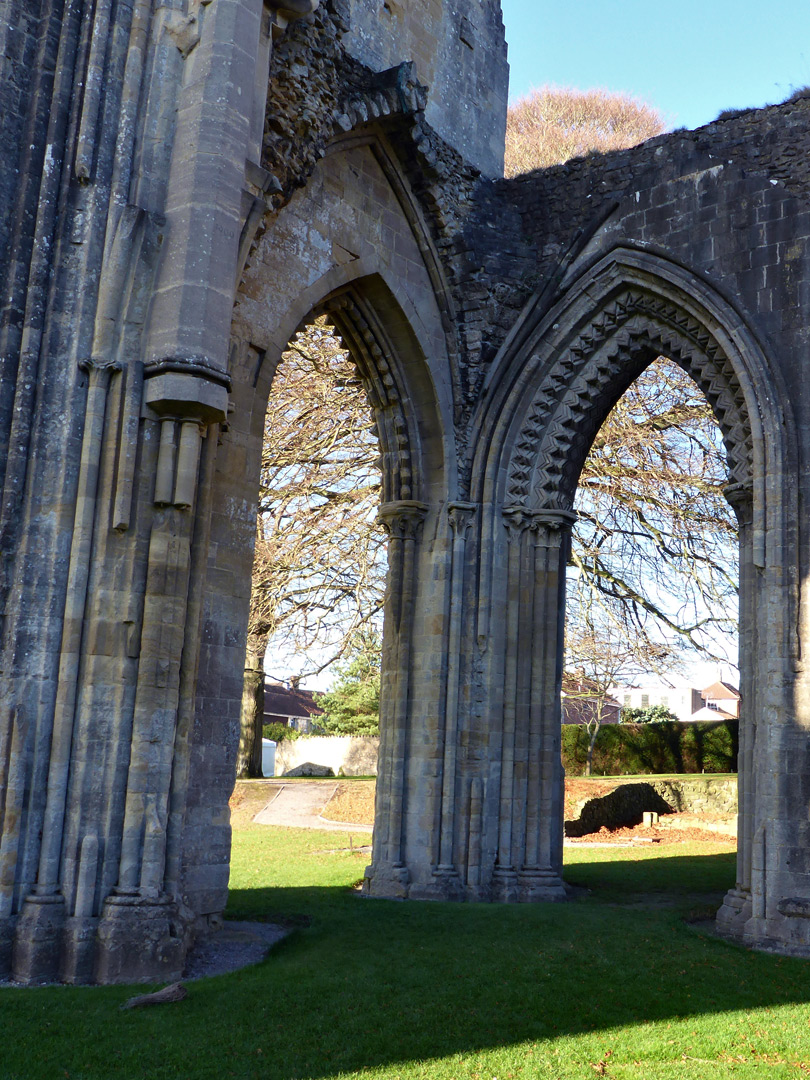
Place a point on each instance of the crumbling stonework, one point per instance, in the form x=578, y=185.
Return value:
x=183, y=188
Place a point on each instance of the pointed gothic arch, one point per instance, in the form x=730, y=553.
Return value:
x=382, y=285
x=554, y=383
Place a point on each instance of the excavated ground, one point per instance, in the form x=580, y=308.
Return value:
x=353, y=803
x=671, y=828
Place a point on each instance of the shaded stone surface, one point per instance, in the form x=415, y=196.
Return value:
x=236, y=945
x=625, y=805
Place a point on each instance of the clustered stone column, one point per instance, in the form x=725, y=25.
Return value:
x=529, y=856
x=187, y=397
x=147, y=163
x=488, y=825
x=402, y=520
x=44, y=916
x=461, y=517
x=737, y=904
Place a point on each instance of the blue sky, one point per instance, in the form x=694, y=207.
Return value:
x=689, y=58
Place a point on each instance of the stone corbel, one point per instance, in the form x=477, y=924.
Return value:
x=193, y=389
x=283, y=12
x=187, y=396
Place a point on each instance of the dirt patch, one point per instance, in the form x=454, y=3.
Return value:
x=624, y=807
x=353, y=803
x=673, y=828
x=248, y=798
x=654, y=834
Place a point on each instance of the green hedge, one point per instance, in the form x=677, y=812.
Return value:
x=669, y=747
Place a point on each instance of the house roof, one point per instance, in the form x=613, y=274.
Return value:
x=580, y=686
x=280, y=700
x=719, y=691
x=707, y=715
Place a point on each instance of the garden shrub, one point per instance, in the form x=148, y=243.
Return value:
x=278, y=732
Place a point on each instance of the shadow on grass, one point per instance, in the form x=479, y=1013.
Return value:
x=373, y=984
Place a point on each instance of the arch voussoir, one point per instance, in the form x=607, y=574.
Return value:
x=593, y=369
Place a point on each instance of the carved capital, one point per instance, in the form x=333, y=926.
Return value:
x=548, y=527
x=104, y=366
x=516, y=520
x=740, y=498
x=461, y=516
x=403, y=519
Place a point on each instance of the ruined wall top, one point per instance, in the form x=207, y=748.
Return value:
x=459, y=52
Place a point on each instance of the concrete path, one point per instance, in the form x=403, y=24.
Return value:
x=299, y=806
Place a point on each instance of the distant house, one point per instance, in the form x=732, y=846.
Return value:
x=717, y=702
x=289, y=705
x=721, y=700
x=681, y=700
x=580, y=702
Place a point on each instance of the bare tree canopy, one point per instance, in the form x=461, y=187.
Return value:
x=554, y=124
x=320, y=563
x=654, y=550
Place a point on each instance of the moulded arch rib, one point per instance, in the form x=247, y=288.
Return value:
x=558, y=376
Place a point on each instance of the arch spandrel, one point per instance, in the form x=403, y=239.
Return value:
x=355, y=236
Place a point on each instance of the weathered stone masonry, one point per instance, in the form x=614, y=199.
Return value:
x=183, y=187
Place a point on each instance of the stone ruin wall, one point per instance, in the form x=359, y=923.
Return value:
x=126, y=572
x=525, y=233
x=122, y=242
x=443, y=40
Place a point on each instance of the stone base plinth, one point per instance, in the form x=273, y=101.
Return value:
x=79, y=950
x=386, y=881
x=504, y=888
x=445, y=884
x=537, y=886
x=734, y=912
x=139, y=940
x=37, y=946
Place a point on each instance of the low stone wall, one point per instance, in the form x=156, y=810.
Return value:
x=699, y=794
x=345, y=755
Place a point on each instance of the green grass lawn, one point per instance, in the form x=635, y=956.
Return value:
x=613, y=984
